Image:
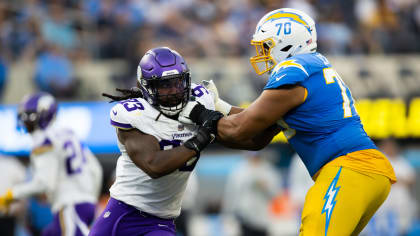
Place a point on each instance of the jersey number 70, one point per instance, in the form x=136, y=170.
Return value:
x=331, y=76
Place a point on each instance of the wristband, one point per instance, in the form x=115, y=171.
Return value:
x=223, y=107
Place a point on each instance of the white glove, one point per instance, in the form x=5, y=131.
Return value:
x=184, y=115
x=219, y=104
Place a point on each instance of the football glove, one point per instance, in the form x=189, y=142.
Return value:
x=219, y=104
x=200, y=141
x=195, y=112
x=6, y=200
x=184, y=115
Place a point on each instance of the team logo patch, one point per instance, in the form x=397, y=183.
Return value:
x=107, y=214
x=181, y=127
x=330, y=200
x=290, y=63
x=182, y=135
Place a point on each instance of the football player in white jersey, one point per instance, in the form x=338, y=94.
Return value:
x=158, y=153
x=64, y=169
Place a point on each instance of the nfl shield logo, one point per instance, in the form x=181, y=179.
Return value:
x=180, y=127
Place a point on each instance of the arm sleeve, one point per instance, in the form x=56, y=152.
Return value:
x=45, y=174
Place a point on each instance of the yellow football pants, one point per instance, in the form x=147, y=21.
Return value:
x=342, y=201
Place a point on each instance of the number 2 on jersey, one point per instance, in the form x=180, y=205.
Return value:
x=74, y=159
x=331, y=76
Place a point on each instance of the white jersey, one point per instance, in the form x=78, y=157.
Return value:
x=63, y=168
x=161, y=197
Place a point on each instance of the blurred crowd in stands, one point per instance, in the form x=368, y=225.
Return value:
x=56, y=33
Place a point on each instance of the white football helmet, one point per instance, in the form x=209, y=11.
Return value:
x=280, y=34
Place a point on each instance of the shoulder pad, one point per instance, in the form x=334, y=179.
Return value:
x=131, y=113
x=120, y=117
x=292, y=71
x=290, y=65
x=44, y=147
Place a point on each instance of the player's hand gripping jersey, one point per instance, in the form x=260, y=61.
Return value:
x=63, y=169
x=162, y=196
x=326, y=125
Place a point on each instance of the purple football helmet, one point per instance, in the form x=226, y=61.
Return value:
x=165, y=80
x=36, y=111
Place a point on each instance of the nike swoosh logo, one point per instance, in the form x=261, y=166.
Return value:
x=161, y=225
x=114, y=112
x=278, y=78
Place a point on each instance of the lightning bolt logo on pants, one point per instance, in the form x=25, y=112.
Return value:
x=330, y=200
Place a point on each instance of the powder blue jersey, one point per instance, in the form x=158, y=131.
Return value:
x=326, y=125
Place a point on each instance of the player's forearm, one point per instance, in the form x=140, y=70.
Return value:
x=44, y=179
x=170, y=160
x=235, y=110
x=28, y=189
x=255, y=143
x=245, y=145
x=164, y=162
x=233, y=130
x=264, y=138
x=227, y=128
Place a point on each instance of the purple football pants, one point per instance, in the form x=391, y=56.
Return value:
x=120, y=219
x=72, y=220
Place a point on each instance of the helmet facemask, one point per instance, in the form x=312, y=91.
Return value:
x=29, y=120
x=37, y=111
x=263, y=61
x=169, y=94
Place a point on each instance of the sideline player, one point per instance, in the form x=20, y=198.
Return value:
x=310, y=100
x=158, y=153
x=64, y=169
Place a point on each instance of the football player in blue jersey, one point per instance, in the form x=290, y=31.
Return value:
x=308, y=98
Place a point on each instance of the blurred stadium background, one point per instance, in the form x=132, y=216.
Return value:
x=77, y=49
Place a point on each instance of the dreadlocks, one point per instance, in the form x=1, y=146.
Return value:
x=133, y=92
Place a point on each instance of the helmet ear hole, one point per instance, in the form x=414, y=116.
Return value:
x=287, y=48
x=267, y=44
